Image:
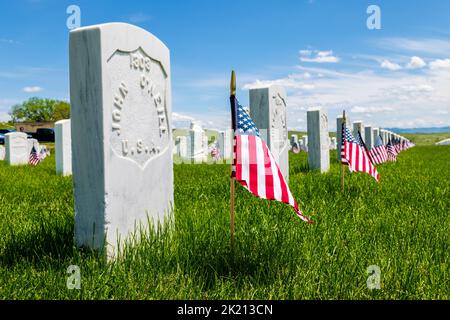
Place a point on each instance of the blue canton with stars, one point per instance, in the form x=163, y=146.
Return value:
x=245, y=124
x=349, y=137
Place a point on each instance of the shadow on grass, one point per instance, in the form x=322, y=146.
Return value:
x=49, y=243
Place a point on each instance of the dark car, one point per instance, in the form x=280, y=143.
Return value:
x=2, y=134
x=45, y=134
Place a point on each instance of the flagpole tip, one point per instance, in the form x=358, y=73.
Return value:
x=233, y=83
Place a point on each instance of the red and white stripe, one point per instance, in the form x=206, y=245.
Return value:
x=378, y=154
x=357, y=159
x=256, y=170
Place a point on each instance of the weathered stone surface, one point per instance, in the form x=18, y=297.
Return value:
x=368, y=135
x=358, y=126
x=318, y=144
x=120, y=91
x=268, y=111
x=17, y=148
x=63, y=148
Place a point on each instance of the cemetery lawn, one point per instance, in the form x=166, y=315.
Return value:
x=402, y=226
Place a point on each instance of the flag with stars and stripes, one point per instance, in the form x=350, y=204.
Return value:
x=254, y=166
x=391, y=151
x=353, y=154
x=378, y=153
x=34, y=158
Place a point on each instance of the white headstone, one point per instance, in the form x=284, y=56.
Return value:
x=445, y=142
x=120, y=91
x=358, y=126
x=376, y=133
x=369, y=140
x=17, y=148
x=63, y=148
x=2, y=153
x=268, y=111
x=333, y=144
x=339, y=135
x=318, y=145
x=182, y=148
x=196, y=142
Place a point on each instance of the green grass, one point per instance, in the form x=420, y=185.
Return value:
x=403, y=226
x=427, y=139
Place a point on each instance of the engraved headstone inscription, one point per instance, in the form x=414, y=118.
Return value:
x=120, y=91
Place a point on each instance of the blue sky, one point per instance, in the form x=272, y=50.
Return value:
x=320, y=50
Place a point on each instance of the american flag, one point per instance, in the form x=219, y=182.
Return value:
x=353, y=154
x=43, y=153
x=34, y=157
x=254, y=166
x=378, y=153
x=391, y=152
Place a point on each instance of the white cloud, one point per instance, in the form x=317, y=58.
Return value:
x=359, y=109
x=34, y=89
x=386, y=64
x=416, y=63
x=428, y=46
x=318, y=56
x=440, y=64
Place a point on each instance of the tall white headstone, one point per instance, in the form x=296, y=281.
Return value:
x=120, y=91
x=268, y=111
x=358, y=126
x=2, y=153
x=182, y=148
x=33, y=143
x=376, y=133
x=63, y=148
x=369, y=141
x=17, y=149
x=196, y=142
x=318, y=144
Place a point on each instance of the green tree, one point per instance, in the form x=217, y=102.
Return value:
x=37, y=109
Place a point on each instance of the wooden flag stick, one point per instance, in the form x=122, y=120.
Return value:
x=342, y=166
x=233, y=127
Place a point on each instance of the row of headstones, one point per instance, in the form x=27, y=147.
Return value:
x=318, y=138
x=18, y=148
x=121, y=132
x=194, y=145
x=302, y=144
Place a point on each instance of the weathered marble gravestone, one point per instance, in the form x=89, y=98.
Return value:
x=2, y=153
x=268, y=111
x=120, y=91
x=196, y=141
x=376, y=133
x=368, y=134
x=305, y=142
x=63, y=148
x=333, y=144
x=339, y=135
x=182, y=147
x=318, y=144
x=358, y=126
x=17, y=148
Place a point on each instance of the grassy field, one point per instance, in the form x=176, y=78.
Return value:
x=427, y=139
x=402, y=226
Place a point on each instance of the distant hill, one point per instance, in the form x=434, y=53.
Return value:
x=420, y=130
